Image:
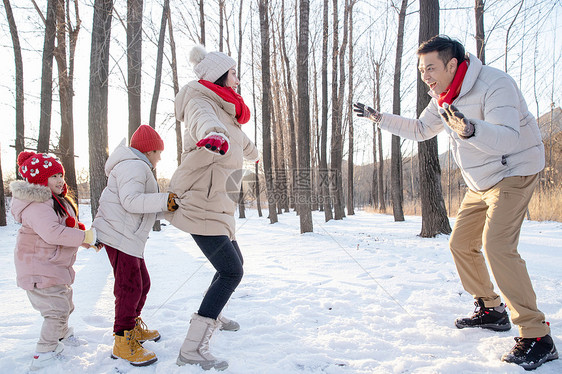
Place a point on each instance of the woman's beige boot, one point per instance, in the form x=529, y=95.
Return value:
x=195, y=347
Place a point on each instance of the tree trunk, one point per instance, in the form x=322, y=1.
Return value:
x=396, y=178
x=480, y=40
x=350, y=116
x=47, y=78
x=241, y=207
x=303, y=191
x=324, y=172
x=266, y=106
x=289, y=97
x=134, y=62
x=159, y=59
x=434, y=214
x=380, y=184
x=20, y=124
x=202, y=21
x=256, y=167
x=337, y=103
x=66, y=90
x=158, y=81
x=98, y=99
x=2, y=192
x=174, y=65
x=375, y=175
x=221, y=25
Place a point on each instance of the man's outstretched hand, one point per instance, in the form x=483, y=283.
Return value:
x=457, y=121
x=366, y=111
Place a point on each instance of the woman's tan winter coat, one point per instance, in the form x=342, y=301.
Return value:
x=206, y=183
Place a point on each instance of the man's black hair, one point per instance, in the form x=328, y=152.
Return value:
x=446, y=48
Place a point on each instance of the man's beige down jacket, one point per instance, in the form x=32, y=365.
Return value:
x=506, y=141
x=129, y=203
x=207, y=183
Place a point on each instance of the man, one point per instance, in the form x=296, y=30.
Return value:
x=497, y=145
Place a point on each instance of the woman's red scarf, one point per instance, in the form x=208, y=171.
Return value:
x=454, y=88
x=228, y=94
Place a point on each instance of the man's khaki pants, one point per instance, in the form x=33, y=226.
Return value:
x=491, y=220
x=55, y=305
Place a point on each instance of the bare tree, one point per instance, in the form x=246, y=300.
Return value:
x=159, y=59
x=241, y=207
x=336, y=153
x=20, y=124
x=202, y=21
x=2, y=194
x=134, y=62
x=434, y=214
x=47, y=77
x=256, y=167
x=303, y=192
x=324, y=172
x=175, y=79
x=221, y=25
x=396, y=179
x=98, y=99
x=480, y=40
x=507, y=34
x=158, y=80
x=66, y=86
x=380, y=175
x=289, y=97
x=266, y=106
x=350, y=184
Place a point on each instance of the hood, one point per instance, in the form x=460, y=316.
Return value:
x=195, y=89
x=120, y=154
x=25, y=193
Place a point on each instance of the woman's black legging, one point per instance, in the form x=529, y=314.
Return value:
x=227, y=260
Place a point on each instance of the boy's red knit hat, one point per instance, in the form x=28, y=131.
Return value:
x=146, y=139
x=36, y=168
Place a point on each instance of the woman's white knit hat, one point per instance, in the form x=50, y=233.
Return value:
x=210, y=66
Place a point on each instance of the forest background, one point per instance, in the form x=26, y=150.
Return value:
x=314, y=58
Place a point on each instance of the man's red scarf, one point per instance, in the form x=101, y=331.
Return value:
x=228, y=94
x=454, y=88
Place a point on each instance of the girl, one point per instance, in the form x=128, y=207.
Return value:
x=214, y=148
x=46, y=248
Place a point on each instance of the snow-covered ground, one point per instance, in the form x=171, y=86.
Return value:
x=362, y=295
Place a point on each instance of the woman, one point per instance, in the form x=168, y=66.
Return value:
x=214, y=148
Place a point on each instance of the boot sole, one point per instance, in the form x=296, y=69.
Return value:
x=206, y=365
x=493, y=327
x=150, y=340
x=532, y=366
x=144, y=363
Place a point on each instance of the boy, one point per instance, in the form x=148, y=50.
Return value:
x=127, y=211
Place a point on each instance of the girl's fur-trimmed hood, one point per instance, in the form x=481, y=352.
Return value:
x=24, y=194
x=30, y=192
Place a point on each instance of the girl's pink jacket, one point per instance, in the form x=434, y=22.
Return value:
x=45, y=248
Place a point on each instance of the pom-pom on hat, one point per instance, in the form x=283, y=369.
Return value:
x=36, y=168
x=146, y=139
x=210, y=66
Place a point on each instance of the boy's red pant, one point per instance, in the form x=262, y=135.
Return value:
x=132, y=284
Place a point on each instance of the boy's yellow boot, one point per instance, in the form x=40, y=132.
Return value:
x=143, y=333
x=128, y=348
